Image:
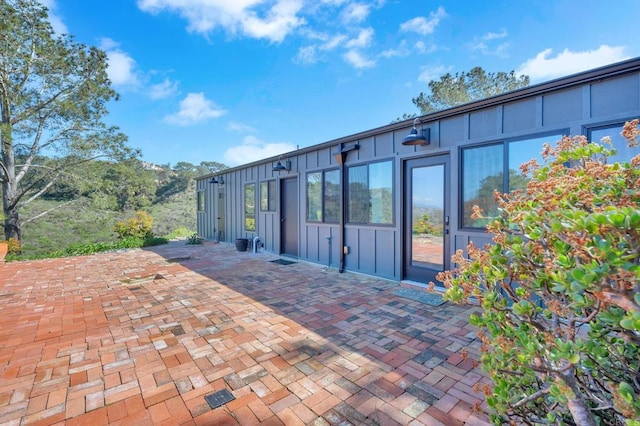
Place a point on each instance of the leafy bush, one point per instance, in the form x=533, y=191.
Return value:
x=559, y=291
x=14, y=246
x=194, y=239
x=86, y=249
x=423, y=225
x=181, y=232
x=138, y=226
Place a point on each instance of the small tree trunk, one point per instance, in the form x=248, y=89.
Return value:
x=12, y=225
x=576, y=403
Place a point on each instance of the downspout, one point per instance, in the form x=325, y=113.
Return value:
x=343, y=209
x=255, y=244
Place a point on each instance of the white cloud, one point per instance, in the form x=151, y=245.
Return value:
x=483, y=42
x=239, y=127
x=333, y=42
x=365, y=36
x=306, y=55
x=431, y=73
x=543, y=66
x=401, y=51
x=163, y=90
x=495, y=36
x=247, y=17
x=421, y=47
x=357, y=59
x=58, y=26
x=422, y=25
x=121, y=67
x=310, y=54
x=253, y=149
x=355, y=12
x=195, y=108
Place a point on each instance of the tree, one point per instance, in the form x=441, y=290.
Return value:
x=53, y=95
x=560, y=290
x=464, y=87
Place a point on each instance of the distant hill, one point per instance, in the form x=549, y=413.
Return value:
x=84, y=213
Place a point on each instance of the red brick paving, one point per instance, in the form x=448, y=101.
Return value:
x=140, y=337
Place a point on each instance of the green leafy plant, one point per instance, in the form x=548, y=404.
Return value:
x=14, y=246
x=87, y=249
x=559, y=290
x=181, y=232
x=194, y=239
x=138, y=226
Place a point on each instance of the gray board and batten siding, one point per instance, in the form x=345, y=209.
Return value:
x=466, y=143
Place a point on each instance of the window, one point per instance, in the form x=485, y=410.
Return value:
x=323, y=196
x=483, y=172
x=268, y=196
x=370, y=193
x=250, y=207
x=624, y=153
x=200, y=201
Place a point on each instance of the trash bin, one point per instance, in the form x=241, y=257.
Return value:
x=242, y=244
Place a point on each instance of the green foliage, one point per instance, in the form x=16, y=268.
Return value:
x=14, y=246
x=179, y=233
x=53, y=95
x=87, y=249
x=194, y=240
x=464, y=87
x=424, y=225
x=560, y=291
x=138, y=226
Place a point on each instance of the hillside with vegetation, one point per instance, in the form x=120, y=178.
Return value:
x=84, y=208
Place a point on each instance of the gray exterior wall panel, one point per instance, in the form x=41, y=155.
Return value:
x=611, y=94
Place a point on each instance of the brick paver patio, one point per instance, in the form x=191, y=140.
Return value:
x=141, y=337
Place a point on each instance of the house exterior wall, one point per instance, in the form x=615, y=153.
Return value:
x=569, y=106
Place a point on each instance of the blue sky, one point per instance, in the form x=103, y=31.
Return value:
x=238, y=80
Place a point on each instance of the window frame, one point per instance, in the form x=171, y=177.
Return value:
x=588, y=129
x=271, y=196
x=247, y=215
x=505, y=143
x=323, y=195
x=201, y=201
x=347, y=194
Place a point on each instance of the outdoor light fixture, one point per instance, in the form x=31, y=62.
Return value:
x=341, y=155
x=214, y=180
x=413, y=138
x=279, y=167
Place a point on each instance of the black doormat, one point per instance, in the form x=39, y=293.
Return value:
x=219, y=398
x=282, y=262
x=432, y=299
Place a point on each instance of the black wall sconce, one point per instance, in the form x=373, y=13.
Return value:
x=415, y=138
x=341, y=155
x=214, y=180
x=279, y=167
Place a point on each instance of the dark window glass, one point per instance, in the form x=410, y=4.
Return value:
x=523, y=151
x=482, y=174
x=332, y=196
x=371, y=193
x=314, y=197
x=250, y=207
x=623, y=152
x=483, y=169
x=272, y=196
x=268, y=196
x=201, y=204
x=264, y=196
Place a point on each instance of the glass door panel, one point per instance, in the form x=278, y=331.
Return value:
x=426, y=218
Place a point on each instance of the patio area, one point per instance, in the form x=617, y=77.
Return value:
x=141, y=337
